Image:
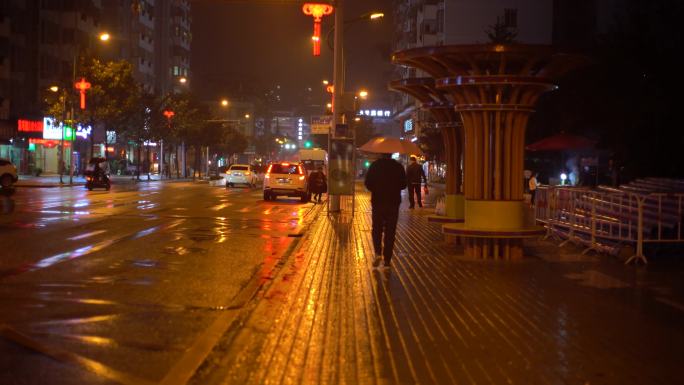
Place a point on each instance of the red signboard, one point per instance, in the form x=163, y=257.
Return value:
x=48, y=143
x=30, y=125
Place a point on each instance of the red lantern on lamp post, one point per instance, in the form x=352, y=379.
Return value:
x=82, y=86
x=317, y=11
x=169, y=114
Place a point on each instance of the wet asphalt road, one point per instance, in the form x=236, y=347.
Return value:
x=116, y=287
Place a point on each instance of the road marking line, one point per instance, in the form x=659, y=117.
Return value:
x=86, y=235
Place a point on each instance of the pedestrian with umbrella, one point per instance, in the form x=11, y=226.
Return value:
x=385, y=180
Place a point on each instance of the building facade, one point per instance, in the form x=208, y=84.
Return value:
x=43, y=42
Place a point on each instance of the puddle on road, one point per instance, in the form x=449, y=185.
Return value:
x=181, y=250
x=596, y=279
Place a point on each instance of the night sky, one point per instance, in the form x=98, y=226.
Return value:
x=240, y=48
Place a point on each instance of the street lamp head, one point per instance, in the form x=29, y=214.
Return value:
x=54, y=88
x=325, y=82
x=247, y=116
x=376, y=15
x=105, y=36
x=363, y=94
x=183, y=80
x=224, y=102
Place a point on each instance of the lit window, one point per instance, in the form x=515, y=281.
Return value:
x=374, y=113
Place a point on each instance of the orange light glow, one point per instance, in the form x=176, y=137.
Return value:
x=317, y=11
x=82, y=86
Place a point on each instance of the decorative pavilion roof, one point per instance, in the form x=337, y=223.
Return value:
x=541, y=61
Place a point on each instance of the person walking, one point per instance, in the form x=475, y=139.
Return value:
x=385, y=179
x=414, y=176
x=318, y=184
x=533, y=184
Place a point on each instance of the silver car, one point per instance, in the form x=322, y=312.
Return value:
x=8, y=173
x=240, y=174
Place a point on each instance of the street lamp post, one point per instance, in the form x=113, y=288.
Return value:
x=169, y=114
x=338, y=91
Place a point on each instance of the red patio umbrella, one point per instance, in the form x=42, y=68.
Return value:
x=562, y=142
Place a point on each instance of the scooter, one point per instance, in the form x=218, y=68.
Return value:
x=97, y=179
x=96, y=175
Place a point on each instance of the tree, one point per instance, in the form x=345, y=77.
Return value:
x=114, y=97
x=187, y=113
x=234, y=142
x=141, y=126
x=500, y=33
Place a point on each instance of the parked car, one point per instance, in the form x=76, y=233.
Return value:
x=287, y=179
x=240, y=174
x=8, y=173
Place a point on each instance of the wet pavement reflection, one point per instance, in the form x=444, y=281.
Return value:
x=118, y=285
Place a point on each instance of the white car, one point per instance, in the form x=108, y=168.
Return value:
x=8, y=173
x=287, y=179
x=241, y=174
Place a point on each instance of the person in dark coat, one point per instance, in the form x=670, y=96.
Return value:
x=385, y=180
x=318, y=184
x=414, y=176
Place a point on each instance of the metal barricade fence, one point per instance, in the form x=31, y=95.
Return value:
x=605, y=221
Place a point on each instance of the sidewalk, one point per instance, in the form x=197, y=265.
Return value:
x=556, y=317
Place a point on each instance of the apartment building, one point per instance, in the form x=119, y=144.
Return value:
x=40, y=46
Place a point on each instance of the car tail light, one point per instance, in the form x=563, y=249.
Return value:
x=301, y=172
x=268, y=172
x=285, y=164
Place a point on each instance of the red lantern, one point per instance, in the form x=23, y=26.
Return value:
x=169, y=114
x=317, y=11
x=82, y=86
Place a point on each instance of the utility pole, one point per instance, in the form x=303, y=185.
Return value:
x=338, y=85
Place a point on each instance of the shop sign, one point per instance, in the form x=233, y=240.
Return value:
x=83, y=132
x=321, y=124
x=56, y=130
x=111, y=136
x=29, y=125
